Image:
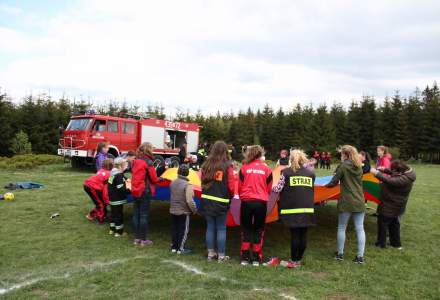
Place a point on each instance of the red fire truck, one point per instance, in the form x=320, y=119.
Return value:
x=86, y=130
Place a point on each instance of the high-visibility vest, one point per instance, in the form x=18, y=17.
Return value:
x=298, y=192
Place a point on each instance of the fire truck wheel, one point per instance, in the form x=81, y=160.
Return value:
x=77, y=162
x=175, y=162
x=159, y=161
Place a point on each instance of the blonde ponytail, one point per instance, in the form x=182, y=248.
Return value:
x=297, y=159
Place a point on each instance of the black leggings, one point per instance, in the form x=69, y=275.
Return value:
x=253, y=219
x=298, y=243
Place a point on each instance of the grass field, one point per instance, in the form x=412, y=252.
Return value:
x=69, y=257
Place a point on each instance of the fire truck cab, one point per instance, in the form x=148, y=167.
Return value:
x=85, y=131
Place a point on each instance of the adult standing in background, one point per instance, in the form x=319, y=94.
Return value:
x=183, y=153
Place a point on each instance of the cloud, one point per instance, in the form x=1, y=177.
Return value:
x=10, y=10
x=224, y=55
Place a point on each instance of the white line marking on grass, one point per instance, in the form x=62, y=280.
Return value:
x=31, y=282
x=186, y=267
x=193, y=269
x=271, y=291
x=88, y=268
x=99, y=265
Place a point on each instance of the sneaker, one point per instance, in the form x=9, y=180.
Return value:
x=117, y=235
x=90, y=218
x=137, y=242
x=223, y=258
x=144, y=243
x=289, y=264
x=379, y=245
x=256, y=263
x=358, y=260
x=339, y=257
x=245, y=258
x=212, y=257
x=244, y=262
x=173, y=250
x=273, y=262
x=398, y=248
x=184, y=251
x=111, y=232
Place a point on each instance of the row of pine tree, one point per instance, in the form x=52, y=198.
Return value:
x=409, y=125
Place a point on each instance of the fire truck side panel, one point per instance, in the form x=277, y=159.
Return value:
x=154, y=135
x=192, y=140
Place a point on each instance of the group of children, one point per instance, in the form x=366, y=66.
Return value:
x=323, y=160
x=222, y=180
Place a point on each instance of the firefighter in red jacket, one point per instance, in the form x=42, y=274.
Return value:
x=95, y=187
x=254, y=187
x=143, y=179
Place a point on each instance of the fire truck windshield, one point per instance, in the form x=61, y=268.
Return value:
x=78, y=124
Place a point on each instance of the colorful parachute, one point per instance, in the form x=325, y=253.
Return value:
x=322, y=194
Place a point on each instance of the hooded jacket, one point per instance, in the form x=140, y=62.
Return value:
x=395, y=192
x=351, y=198
x=144, y=177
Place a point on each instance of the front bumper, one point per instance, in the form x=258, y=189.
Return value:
x=72, y=152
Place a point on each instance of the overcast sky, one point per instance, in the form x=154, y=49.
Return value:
x=223, y=55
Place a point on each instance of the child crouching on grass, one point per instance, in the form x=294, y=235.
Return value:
x=95, y=186
x=118, y=189
x=181, y=206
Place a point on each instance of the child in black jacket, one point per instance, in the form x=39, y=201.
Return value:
x=118, y=189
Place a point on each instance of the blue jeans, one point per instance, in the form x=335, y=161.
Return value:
x=216, y=230
x=358, y=219
x=141, y=209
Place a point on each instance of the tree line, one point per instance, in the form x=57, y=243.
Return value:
x=409, y=125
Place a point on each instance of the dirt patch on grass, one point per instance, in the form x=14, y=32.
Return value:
x=40, y=293
x=338, y=296
x=318, y=275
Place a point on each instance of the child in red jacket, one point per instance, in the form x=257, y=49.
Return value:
x=95, y=187
x=143, y=179
x=254, y=187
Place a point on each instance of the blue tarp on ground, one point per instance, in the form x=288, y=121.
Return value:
x=23, y=185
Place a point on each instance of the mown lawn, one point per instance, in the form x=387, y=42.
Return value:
x=69, y=257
